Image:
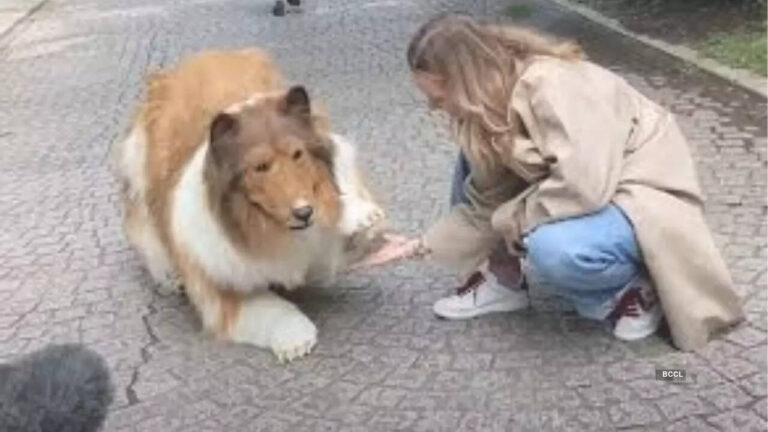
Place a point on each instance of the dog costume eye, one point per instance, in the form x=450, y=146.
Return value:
x=297, y=154
x=262, y=167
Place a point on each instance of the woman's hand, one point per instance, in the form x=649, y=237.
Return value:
x=396, y=247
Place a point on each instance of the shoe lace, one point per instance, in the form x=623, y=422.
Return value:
x=474, y=281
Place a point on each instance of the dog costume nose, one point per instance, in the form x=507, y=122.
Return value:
x=303, y=213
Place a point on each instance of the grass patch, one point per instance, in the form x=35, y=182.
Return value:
x=519, y=10
x=741, y=49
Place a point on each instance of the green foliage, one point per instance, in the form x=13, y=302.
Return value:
x=742, y=49
x=519, y=10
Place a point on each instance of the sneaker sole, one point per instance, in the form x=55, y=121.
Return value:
x=635, y=336
x=489, y=309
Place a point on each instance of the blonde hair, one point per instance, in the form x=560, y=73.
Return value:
x=480, y=64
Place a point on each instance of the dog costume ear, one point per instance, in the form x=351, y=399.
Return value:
x=323, y=150
x=297, y=103
x=223, y=134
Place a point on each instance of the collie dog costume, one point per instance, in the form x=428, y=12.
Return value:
x=231, y=184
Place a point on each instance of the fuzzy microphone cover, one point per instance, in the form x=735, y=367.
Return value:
x=60, y=388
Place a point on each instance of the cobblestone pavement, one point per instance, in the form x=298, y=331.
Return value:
x=70, y=78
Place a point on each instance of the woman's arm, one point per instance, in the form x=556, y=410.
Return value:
x=464, y=237
x=461, y=239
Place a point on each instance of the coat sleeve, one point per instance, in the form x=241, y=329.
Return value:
x=464, y=237
x=580, y=129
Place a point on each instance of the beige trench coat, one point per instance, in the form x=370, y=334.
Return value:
x=592, y=140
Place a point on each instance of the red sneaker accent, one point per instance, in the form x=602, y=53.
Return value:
x=471, y=284
x=632, y=303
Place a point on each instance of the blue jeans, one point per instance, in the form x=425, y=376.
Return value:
x=587, y=260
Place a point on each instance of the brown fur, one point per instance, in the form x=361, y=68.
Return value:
x=180, y=104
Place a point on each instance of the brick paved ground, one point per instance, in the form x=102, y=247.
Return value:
x=70, y=78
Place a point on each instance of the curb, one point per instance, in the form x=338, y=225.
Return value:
x=743, y=78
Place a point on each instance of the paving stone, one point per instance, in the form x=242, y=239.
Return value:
x=562, y=398
x=485, y=422
x=393, y=420
x=633, y=414
x=560, y=420
x=606, y=394
x=654, y=389
x=761, y=408
x=738, y=420
x=748, y=336
x=689, y=424
x=756, y=385
x=757, y=355
x=735, y=368
x=726, y=396
x=631, y=369
x=680, y=406
x=381, y=397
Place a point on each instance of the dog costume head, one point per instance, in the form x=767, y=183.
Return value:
x=269, y=153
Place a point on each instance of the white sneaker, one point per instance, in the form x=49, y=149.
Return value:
x=638, y=313
x=480, y=295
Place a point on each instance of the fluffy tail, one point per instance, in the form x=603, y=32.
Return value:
x=61, y=388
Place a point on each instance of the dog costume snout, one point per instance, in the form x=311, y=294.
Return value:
x=303, y=213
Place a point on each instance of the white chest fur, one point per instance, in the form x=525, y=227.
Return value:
x=196, y=230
